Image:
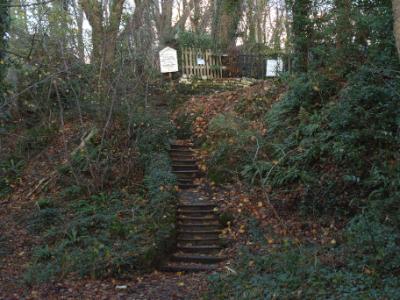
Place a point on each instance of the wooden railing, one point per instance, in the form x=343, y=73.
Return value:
x=212, y=67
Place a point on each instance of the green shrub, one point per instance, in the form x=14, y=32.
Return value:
x=10, y=171
x=188, y=39
x=232, y=145
x=43, y=203
x=151, y=135
x=103, y=235
x=110, y=232
x=36, y=139
x=361, y=268
x=184, y=125
x=44, y=219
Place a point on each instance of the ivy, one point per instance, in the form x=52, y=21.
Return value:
x=4, y=25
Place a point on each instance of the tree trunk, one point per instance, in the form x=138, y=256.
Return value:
x=260, y=12
x=195, y=19
x=104, y=32
x=343, y=24
x=301, y=34
x=165, y=22
x=251, y=22
x=227, y=14
x=277, y=30
x=79, y=38
x=4, y=24
x=396, y=25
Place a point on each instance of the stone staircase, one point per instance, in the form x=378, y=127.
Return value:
x=184, y=165
x=198, y=242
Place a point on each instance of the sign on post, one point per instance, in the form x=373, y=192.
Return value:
x=168, y=60
x=274, y=66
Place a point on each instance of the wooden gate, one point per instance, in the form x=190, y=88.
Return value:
x=200, y=63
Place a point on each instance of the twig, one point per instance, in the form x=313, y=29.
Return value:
x=46, y=180
x=27, y=5
x=42, y=183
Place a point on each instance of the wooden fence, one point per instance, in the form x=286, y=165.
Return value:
x=200, y=63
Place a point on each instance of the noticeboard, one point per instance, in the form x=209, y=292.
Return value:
x=168, y=60
x=273, y=67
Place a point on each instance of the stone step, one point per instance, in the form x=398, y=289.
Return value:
x=196, y=213
x=198, y=249
x=185, y=180
x=198, y=222
x=198, y=242
x=199, y=231
x=182, y=156
x=202, y=206
x=198, y=236
x=187, y=268
x=198, y=227
x=181, y=151
x=193, y=258
x=201, y=221
x=184, y=168
x=197, y=218
x=191, y=171
x=184, y=160
x=180, y=146
x=185, y=164
x=185, y=186
x=192, y=178
x=191, y=175
x=196, y=204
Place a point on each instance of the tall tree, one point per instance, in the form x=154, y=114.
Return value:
x=277, y=29
x=343, y=23
x=105, y=22
x=162, y=11
x=226, y=17
x=4, y=23
x=396, y=16
x=196, y=16
x=301, y=31
x=80, y=45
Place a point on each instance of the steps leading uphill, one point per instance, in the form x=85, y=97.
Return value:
x=198, y=240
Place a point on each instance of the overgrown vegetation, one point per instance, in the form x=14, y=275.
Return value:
x=327, y=149
x=110, y=225
x=85, y=176
x=364, y=266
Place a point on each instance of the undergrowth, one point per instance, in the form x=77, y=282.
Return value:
x=28, y=143
x=362, y=267
x=330, y=151
x=111, y=224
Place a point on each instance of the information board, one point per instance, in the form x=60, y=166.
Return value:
x=274, y=66
x=168, y=60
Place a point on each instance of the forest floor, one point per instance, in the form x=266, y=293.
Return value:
x=238, y=202
x=17, y=244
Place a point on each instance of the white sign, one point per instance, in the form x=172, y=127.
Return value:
x=200, y=60
x=168, y=60
x=274, y=66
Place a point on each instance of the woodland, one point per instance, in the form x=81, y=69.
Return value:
x=304, y=167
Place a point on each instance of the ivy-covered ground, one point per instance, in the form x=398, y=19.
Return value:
x=309, y=197
x=307, y=173
x=88, y=208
